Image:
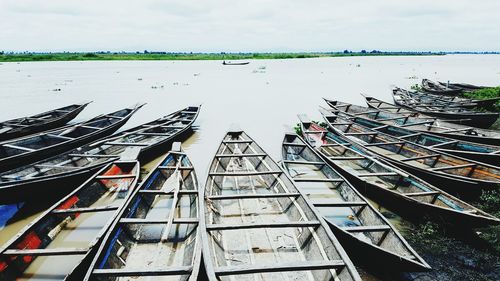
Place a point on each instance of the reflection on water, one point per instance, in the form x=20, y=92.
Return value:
x=262, y=102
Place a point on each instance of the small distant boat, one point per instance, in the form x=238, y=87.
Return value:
x=156, y=235
x=386, y=112
x=69, y=232
x=235, y=63
x=259, y=226
x=436, y=88
x=489, y=154
x=452, y=173
x=452, y=114
x=391, y=186
x=29, y=149
x=19, y=127
x=367, y=236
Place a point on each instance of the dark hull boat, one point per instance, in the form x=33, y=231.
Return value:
x=59, y=174
x=235, y=63
x=58, y=244
x=426, y=99
x=395, y=189
x=436, y=88
x=19, y=127
x=479, y=152
x=461, y=86
x=452, y=173
x=367, y=236
x=156, y=235
x=259, y=226
x=386, y=113
x=17, y=152
x=451, y=114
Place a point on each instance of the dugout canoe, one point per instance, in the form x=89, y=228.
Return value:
x=367, y=236
x=156, y=235
x=451, y=173
x=19, y=127
x=479, y=152
x=463, y=86
x=436, y=88
x=451, y=101
x=17, y=152
x=61, y=241
x=61, y=173
x=386, y=113
x=451, y=114
x=392, y=187
x=259, y=225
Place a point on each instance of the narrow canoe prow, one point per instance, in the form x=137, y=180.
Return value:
x=176, y=146
x=234, y=129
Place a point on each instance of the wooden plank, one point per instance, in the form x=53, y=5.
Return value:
x=421, y=157
x=385, y=143
x=213, y=227
x=158, y=221
x=362, y=134
x=236, y=141
x=152, y=134
x=123, y=272
x=44, y=166
x=380, y=127
x=240, y=155
x=126, y=143
x=335, y=144
x=175, y=168
x=453, y=167
x=85, y=210
x=341, y=204
x=377, y=174
x=367, y=228
x=347, y=158
x=424, y=193
x=294, y=144
x=60, y=137
x=237, y=174
x=112, y=116
x=279, y=267
x=160, y=192
x=112, y=177
x=253, y=196
x=18, y=147
x=417, y=123
x=46, y=252
x=317, y=180
x=410, y=135
x=303, y=162
x=444, y=143
x=94, y=155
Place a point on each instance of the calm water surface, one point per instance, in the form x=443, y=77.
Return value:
x=263, y=98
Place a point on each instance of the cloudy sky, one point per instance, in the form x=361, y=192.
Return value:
x=257, y=25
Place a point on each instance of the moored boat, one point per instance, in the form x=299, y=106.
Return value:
x=423, y=123
x=61, y=173
x=436, y=88
x=451, y=101
x=58, y=244
x=451, y=114
x=259, y=225
x=367, y=236
x=156, y=235
x=463, y=86
x=19, y=127
x=454, y=174
x=17, y=152
x=479, y=152
x=235, y=63
x=397, y=190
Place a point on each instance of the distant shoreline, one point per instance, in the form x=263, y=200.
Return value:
x=97, y=56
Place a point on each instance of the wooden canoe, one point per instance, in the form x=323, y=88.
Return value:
x=61, y=173
x=462, y=86
x=156, y=235
x=392, y=187
x=454, y=174
x=436, y=88
x=452, y=114
x=479, y=152
x=19, y=127
x=451, y=101
x=259, y=225
x=424, y=123
x=58, y=244
x=235, y=63
x=367, y=236
x=17, y=152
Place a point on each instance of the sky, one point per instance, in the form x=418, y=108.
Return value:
x=249, y=26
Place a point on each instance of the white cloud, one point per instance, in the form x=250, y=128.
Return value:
x=258, y=25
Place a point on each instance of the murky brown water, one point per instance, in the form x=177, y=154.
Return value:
x=262, y=97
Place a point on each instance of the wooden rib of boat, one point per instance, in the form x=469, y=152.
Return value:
x=367, y=236
x=17, y=152
x=452, y=114
x=452, y=173
x=156, y=234
x=463, y=86
x=260, y=226
x=451, y=101
x=58, y=244
x=19, y=127
x=436, y=88
x=60, y=173
x=235, y=63
x=386, y=113
x=388, y=185
x=479, y=152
